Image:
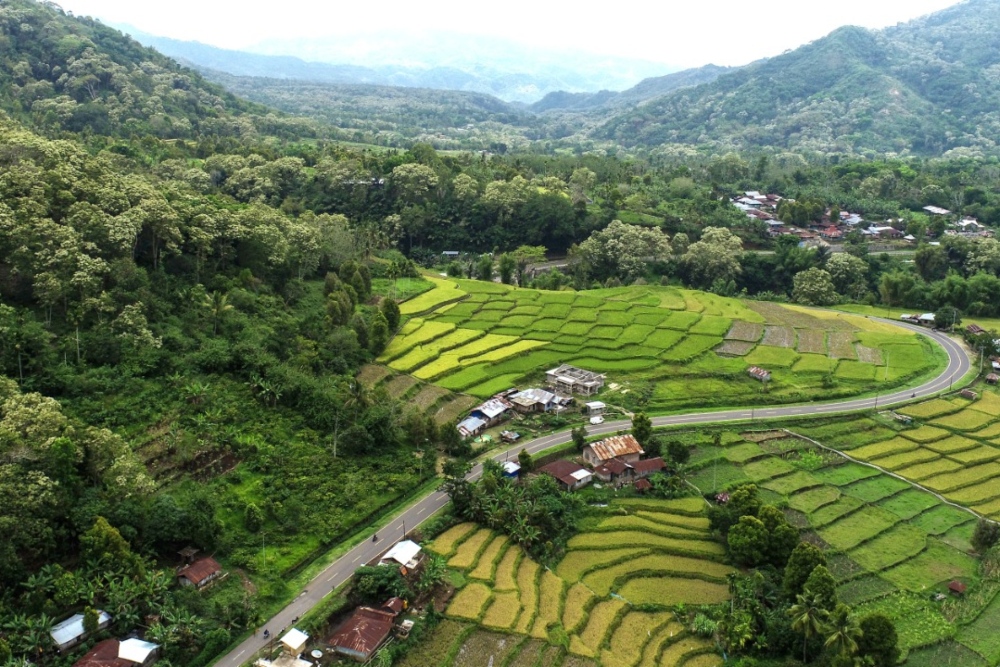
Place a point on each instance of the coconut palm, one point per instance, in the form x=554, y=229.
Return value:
x=808, y=617
x=843, y=632
x=217, y=305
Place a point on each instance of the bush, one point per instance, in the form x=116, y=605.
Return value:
x=985, y=536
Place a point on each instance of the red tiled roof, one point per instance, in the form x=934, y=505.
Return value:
x=956, y=587
x=364, y=631
x=649, y=465
x=395, y=605
x=200, y=571
x=104, y=654
x=615, y=446
x=643, y=485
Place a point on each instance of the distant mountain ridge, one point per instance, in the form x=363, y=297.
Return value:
x=642, y=91
x=505, y=76
x=926, y=87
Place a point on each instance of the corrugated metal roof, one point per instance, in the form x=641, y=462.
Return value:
x=493, y=408
x=136, y=650
x=72, y=628
x=104, y=654
x=200, y=571
x=402, y=552
x=649, y=465
x=364, y=631
x=615, y=446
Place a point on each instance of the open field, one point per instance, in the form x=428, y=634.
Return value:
x=690, y=347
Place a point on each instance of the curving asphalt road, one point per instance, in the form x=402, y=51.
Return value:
x=341, y=570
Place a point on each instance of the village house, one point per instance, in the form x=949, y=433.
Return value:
x=113, y=653
x=885, y=232
x=614, y=471
x=595, y=408
x=69, y=633
x=937, y=210
x=533, y=400
x=623, y=447
x=570, y=380
x=511, y=470
x=492, y=412
x=366, y=630
x=406, y=554
x=571, y=475
x=292, y=646
x=759, y=374
x=200, y=573
x=470, y=427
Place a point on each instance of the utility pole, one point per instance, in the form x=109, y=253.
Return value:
x=888, y=355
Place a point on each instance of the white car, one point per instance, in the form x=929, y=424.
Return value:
x=597, y=420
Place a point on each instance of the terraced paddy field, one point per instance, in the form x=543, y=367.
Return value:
x=889, y=544
x=607, y=603
x=952, y=448
x=430, y=400
x=683, y=347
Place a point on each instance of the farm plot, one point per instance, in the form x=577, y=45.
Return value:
x=841, y=345
x=479, y=338
x=776, y=336
x=749, y=332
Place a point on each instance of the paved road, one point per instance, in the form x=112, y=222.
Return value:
x=341, y=570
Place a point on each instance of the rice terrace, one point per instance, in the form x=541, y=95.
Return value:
x=678, y=348
x=633, y=576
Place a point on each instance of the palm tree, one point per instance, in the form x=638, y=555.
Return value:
x=218, y=305
x=842, y=632
x=809, y=618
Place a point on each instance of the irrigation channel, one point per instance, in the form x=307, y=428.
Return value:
x=338, y=572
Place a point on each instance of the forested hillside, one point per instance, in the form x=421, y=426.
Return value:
x=76, y=75
x=925, y=87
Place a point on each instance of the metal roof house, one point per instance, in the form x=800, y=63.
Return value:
x=405, y=554
x=623, y=447
x=200, y=573
x=571, y=475
x=110, y=653
x=533, y=400
x=364, y=631
x=470, y=427
x=492, y=412
x=568, y=379
x=69, y=633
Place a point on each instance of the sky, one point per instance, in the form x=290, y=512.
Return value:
x=678, y=33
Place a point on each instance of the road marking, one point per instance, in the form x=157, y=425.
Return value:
x=421, y=510
x=356, y=559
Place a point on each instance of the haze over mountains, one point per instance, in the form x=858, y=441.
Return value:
x=447, y=61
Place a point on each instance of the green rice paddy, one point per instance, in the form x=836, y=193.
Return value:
x=690, y=348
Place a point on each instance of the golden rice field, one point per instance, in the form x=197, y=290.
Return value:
x=479, y=338
x=588, y=594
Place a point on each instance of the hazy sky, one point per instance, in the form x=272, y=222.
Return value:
x=674, y=32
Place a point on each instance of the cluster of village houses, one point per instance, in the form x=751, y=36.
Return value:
x=764, y=207
x=562, y=383
x=131, y=651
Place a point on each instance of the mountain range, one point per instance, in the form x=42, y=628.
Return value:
x=927, y=87
x=447, y=61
